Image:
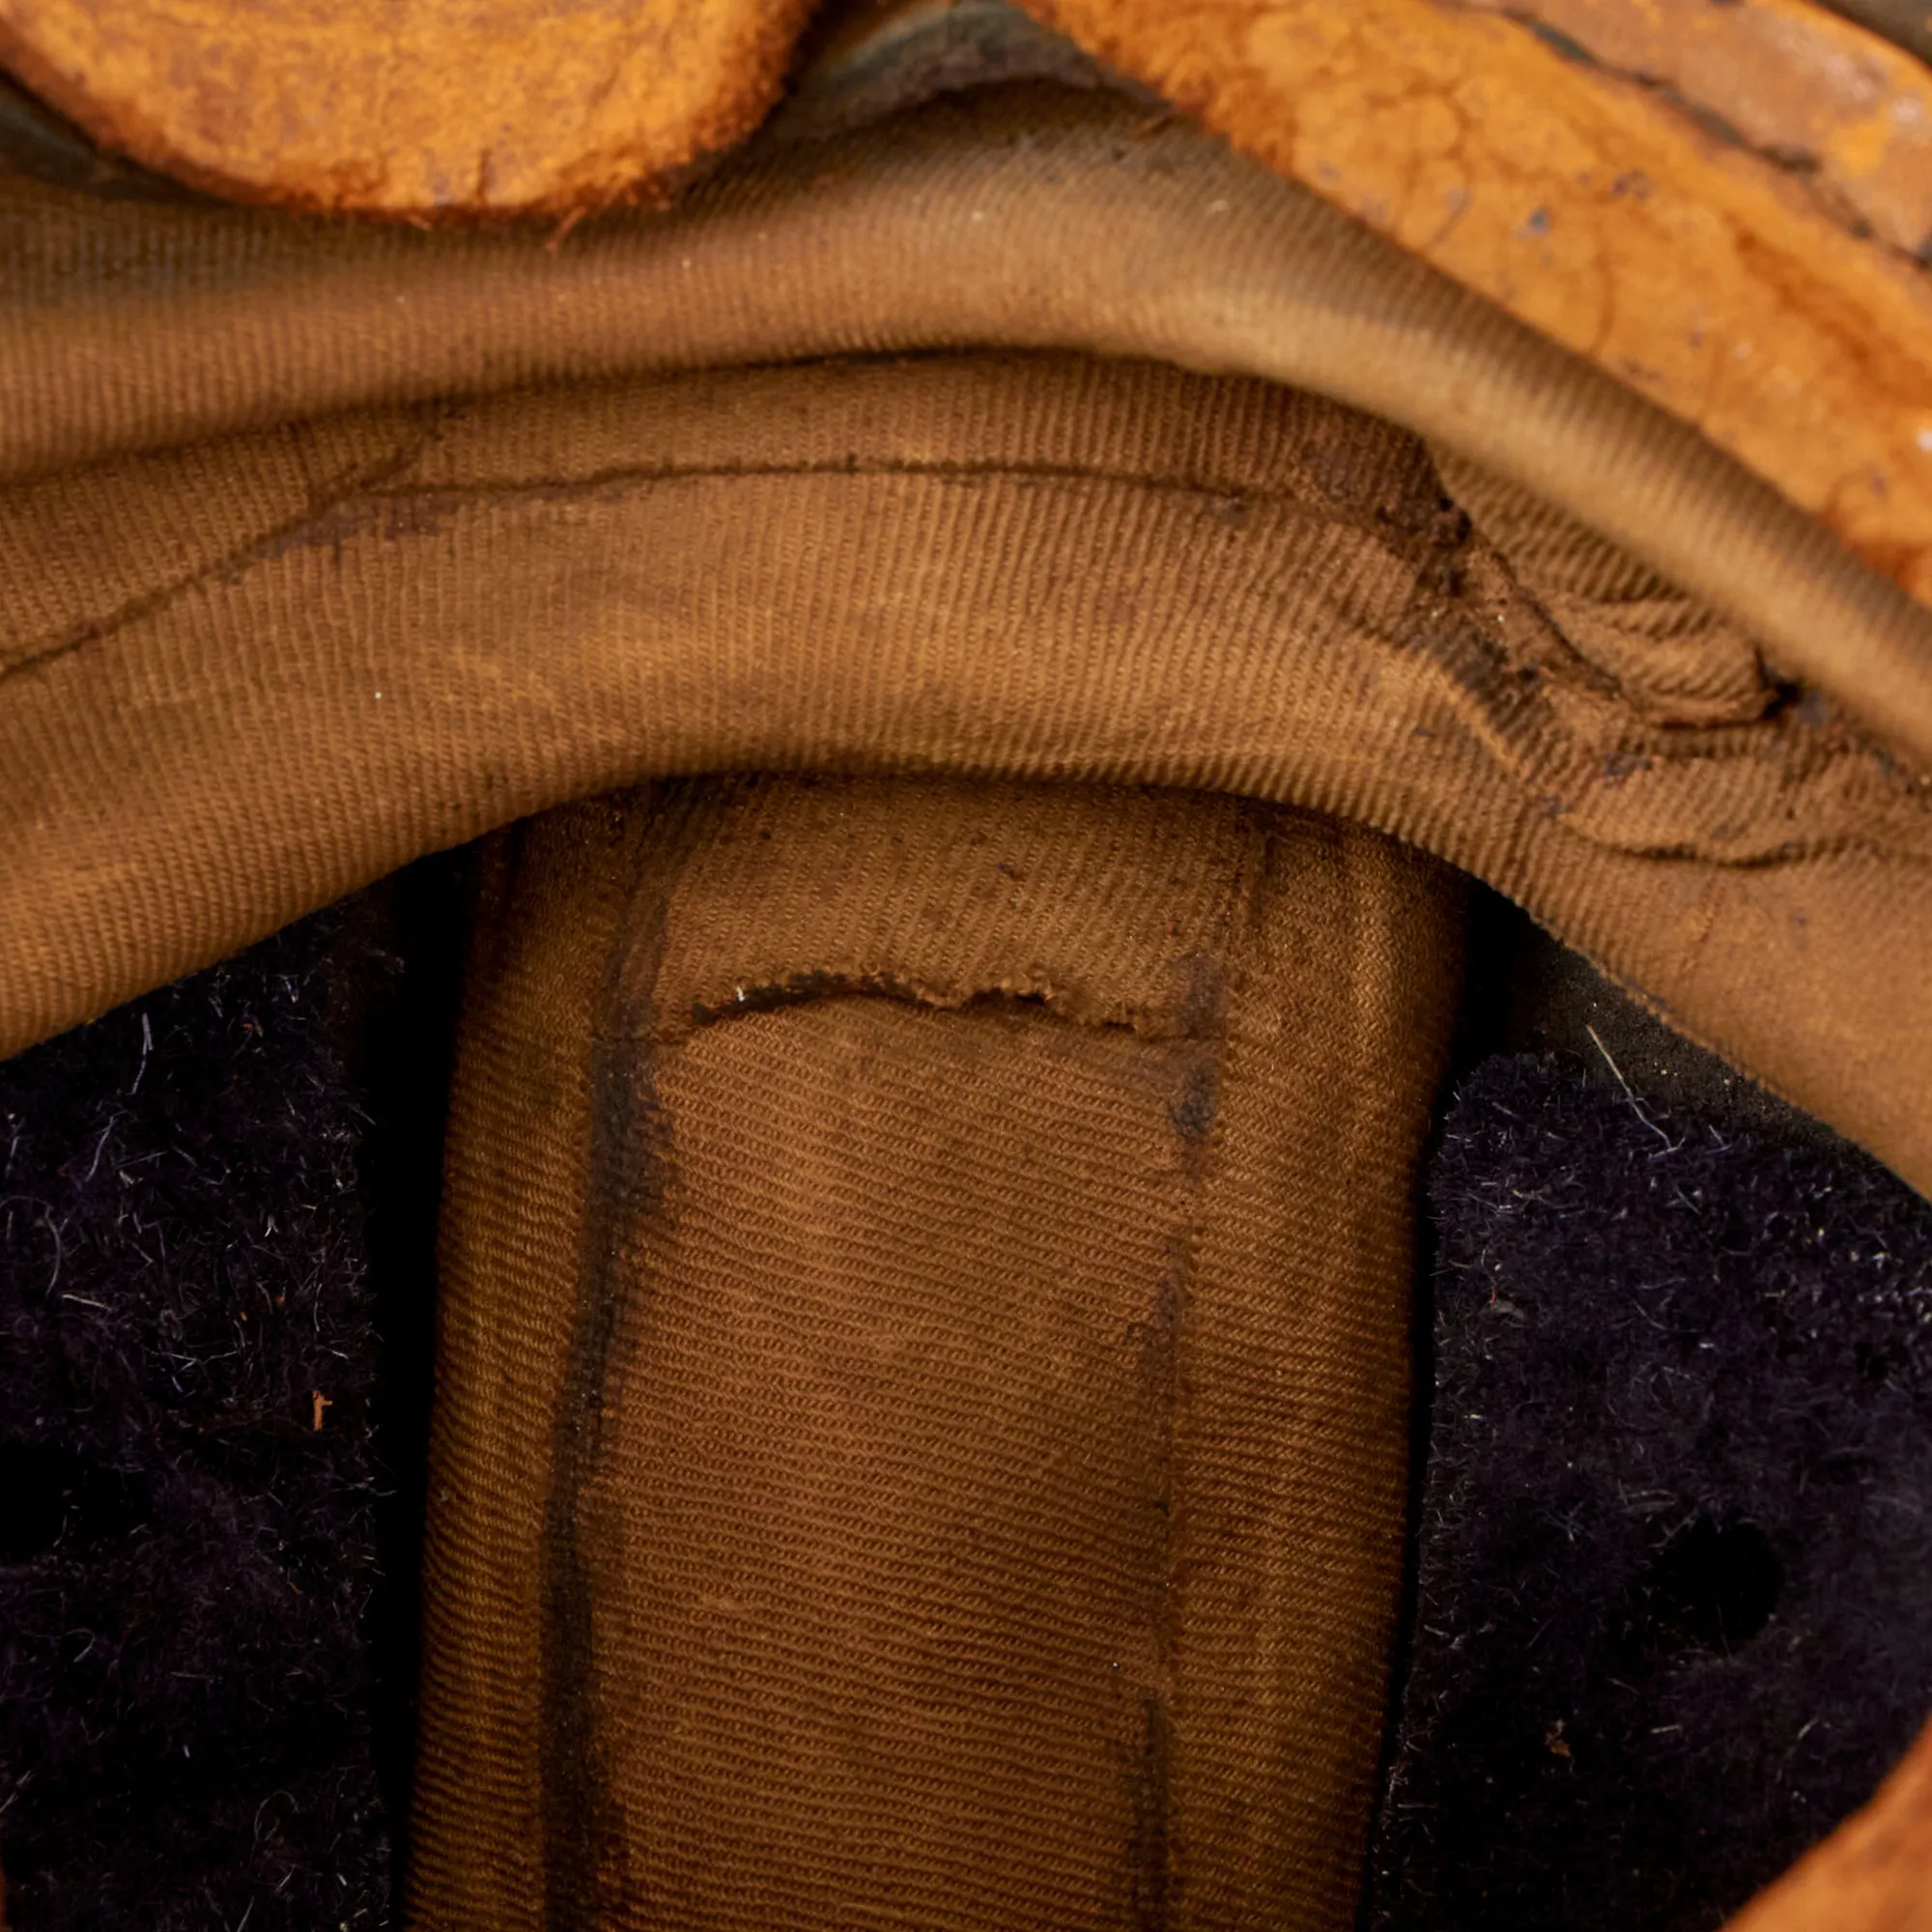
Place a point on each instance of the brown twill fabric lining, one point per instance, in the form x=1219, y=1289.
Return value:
x=1026, y=219
x=954, y=1244
x=1035, y=567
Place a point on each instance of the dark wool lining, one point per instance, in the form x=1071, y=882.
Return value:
x=1675, y=1535
x=206, y=1678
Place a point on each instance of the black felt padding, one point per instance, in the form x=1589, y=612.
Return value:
x=188, y=1659
x=1674, y=1601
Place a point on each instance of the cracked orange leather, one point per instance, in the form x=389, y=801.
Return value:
x=415, y=108
x=1701, y=275
x=1848, y=115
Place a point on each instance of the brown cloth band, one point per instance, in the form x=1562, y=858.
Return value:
x=386, y=633
x=923, y=1386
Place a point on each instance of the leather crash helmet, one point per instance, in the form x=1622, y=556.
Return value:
x=965, y=968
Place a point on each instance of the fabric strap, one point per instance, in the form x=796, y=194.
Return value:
x=923, y=1394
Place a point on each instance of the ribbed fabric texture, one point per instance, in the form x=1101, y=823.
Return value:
x=1041, y=567
x=923, y=1405
x=1026, y=219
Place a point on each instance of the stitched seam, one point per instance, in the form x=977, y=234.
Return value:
x=413, y=511
x=329, y=523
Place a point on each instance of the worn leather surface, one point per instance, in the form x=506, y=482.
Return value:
x=409, y=108
x=1873, y=1874
x=1700, y=273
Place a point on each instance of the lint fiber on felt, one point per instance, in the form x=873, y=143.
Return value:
x=186, y=1552
x=1675, y=1531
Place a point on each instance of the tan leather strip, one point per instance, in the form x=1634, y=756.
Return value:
x=922, y=1390
x=1873, y=1874
x=129, y=327
x=1041, y=567
x=1845, y=112
x=1700, y=273
x=409, y=108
